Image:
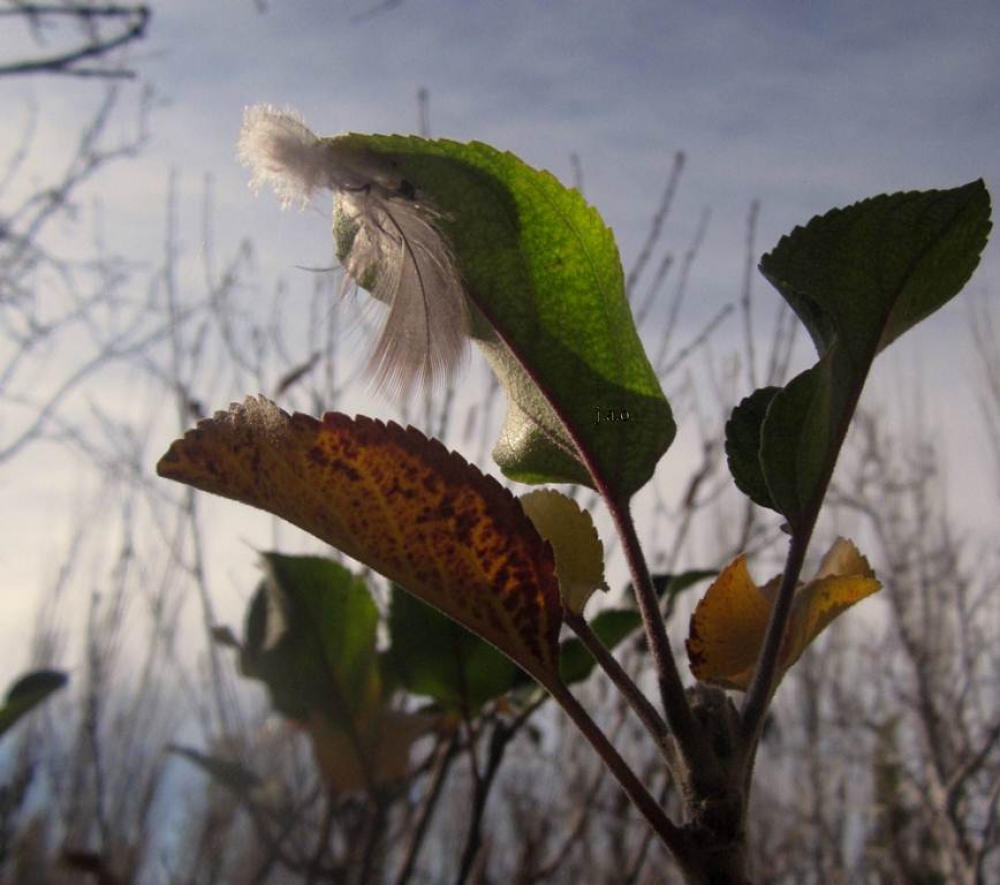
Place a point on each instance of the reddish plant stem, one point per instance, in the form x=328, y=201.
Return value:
x=685, y=731
x=670, y=834
x=623, y=682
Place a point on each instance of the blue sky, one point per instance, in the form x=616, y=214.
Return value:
x=804, y=106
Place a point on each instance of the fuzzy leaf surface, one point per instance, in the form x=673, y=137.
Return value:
x=545, y=278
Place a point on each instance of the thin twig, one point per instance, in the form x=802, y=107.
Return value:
x=63, y=64
x=670, y=834
x=746, y=297
x=445, y=755
x=623, y=682
x=499, y=740
x=656, y=225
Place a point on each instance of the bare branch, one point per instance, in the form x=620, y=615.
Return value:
x=134, y=19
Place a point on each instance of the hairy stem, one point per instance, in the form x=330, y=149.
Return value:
x=761, y=689
x=682, y=724
x=670, y=834
x=623, y=682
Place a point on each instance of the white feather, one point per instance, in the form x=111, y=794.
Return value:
x=397, y=248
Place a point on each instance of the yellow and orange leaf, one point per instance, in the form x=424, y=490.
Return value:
x=727, y=628
x=400, y=503
x=729, y=623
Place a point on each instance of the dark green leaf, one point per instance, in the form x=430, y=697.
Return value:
x=799, y=445
x=743, y=445
x=865, y=274
x=27, y=693
x=432, y=655
x=611, y=626
x=232, y=775
x=224, y=636
x=310, y=636
x=858, y=278
x=669, y=586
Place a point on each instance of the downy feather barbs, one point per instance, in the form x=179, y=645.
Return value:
x=386, y=236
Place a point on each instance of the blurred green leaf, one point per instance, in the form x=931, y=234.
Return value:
x=611, y=626
x=224, y=636
x=28, y=692
x=432, y=655
x=310, y=636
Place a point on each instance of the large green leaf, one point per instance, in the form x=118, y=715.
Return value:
x=28, y=692
x=432, y=655
x=865, y=274
x=545, y=277
x=858, y=278
x=311, y=633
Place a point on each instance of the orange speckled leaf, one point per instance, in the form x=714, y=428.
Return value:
x=396, y=501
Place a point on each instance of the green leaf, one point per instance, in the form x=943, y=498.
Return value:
x=432, y=655
x=615, y=624
x=545, y=277
x=743, y=445
x=310, y=636
x=798, y=445
x=865, y=274
x=28, y=692
x=858, y=278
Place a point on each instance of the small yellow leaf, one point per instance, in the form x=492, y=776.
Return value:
x=729, y=623
x=396, y=501
x=844, y=578
x=727, y=628
x=575, y=543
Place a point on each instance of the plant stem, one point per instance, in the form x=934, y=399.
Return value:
x=762, y=686
x=623, y=682
x=670, y=834
x=678, y=712
x=445, y=755
x=498, y=745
